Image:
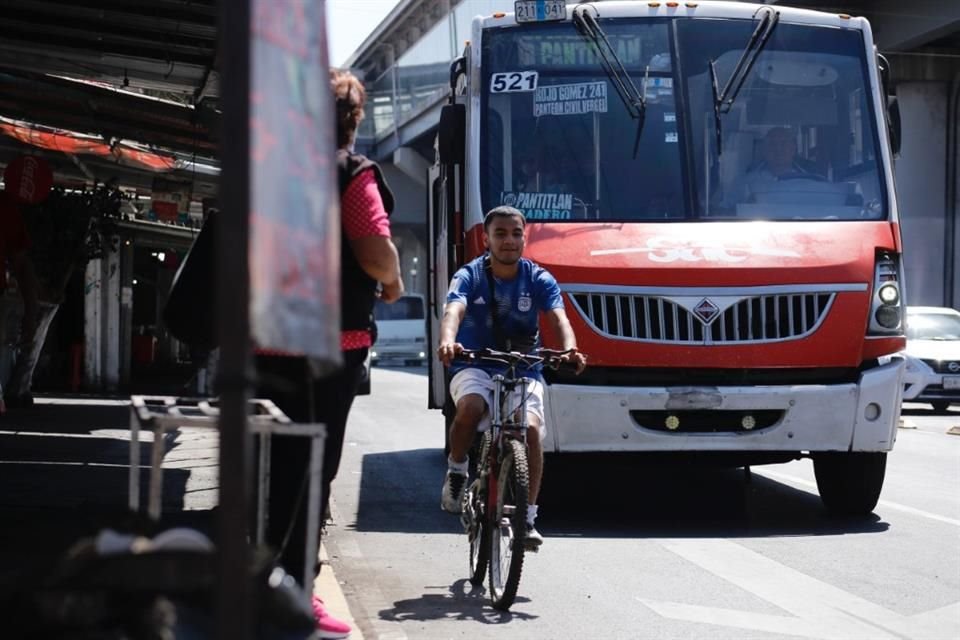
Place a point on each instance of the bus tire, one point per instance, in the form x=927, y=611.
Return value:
x=850, y=482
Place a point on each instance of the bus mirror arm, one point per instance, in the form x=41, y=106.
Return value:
x=893, y=124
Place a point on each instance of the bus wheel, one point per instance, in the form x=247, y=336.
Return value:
x=850, y=482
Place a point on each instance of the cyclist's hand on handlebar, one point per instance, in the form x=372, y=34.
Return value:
x=577, y=359
x=447, y=351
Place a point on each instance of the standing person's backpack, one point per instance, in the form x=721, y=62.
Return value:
x=191, y=310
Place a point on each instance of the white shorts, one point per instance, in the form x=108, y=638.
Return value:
x=477, y=381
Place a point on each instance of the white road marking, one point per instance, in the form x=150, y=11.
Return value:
x=819, y=610
x=782, y=477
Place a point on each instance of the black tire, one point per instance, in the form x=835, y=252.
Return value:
x=941, y=406
x=850, y=482
x=478, y=526
x=447, y=423
x=509, y=525
x=449, y=412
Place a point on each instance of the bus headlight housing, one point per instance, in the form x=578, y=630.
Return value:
x=886, y=304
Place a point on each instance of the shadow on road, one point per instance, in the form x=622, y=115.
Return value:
x=624, y=497
x=68, y=416
x=463, y=601
x=400, y=491
x=922, y=409
x=608, y=496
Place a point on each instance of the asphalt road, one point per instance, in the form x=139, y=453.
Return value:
x=635, y=552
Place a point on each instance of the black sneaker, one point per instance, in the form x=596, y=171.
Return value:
x=454, y=488
x=532, y=540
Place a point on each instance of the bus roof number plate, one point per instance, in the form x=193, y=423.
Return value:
x=540, y=10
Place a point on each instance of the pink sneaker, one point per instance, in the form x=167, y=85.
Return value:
x=330, y=628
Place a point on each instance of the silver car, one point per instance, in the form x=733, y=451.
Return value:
x=933, y=356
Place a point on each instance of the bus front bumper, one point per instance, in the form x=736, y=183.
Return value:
x=860, y=416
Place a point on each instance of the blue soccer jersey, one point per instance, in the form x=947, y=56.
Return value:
x=518, y=304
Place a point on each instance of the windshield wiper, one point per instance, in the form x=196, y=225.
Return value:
x=723, y=99
x=715, y=86
x=635, y=103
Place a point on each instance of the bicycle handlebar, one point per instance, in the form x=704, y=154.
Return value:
x=548, y=357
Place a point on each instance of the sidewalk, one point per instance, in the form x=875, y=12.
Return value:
x=63, y=476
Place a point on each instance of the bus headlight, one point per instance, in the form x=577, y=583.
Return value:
x=889, y=294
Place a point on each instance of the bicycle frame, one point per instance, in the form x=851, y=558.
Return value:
x=499, y=428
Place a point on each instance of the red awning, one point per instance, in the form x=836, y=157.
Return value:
x=75, y=143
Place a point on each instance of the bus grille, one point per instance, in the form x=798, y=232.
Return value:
x=753, y=319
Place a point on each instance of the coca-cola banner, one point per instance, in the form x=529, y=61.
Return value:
x=28, y=178
x=294, y=215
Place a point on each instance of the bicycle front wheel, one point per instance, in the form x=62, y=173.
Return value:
x=509, y=525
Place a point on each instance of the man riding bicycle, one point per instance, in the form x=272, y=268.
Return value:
x=494, y=302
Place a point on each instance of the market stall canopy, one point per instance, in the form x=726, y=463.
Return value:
x=165, y=45
x=135, y=75
x=82, y=107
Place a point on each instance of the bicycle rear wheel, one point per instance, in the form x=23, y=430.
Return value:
x=510, y=521
x=478, y=524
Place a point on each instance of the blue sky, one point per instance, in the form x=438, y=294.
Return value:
x=349, y=22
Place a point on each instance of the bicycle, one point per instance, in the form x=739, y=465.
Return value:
x=495, y=503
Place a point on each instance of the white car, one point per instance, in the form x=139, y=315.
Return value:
x=932, y=356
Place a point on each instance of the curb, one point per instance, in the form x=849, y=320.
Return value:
x=328, y=587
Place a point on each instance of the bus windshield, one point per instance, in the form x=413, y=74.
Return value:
x=800, y=141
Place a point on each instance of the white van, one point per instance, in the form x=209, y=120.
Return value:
x=401, y=331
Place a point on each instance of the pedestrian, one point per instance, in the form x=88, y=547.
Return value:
x=495, y=302
x=368, y=257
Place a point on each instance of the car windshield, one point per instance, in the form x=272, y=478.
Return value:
x=799, y=142
x=406, y=308
x=933, y=326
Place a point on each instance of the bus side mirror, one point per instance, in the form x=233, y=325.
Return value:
x=451, y=137
x=893, y=124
